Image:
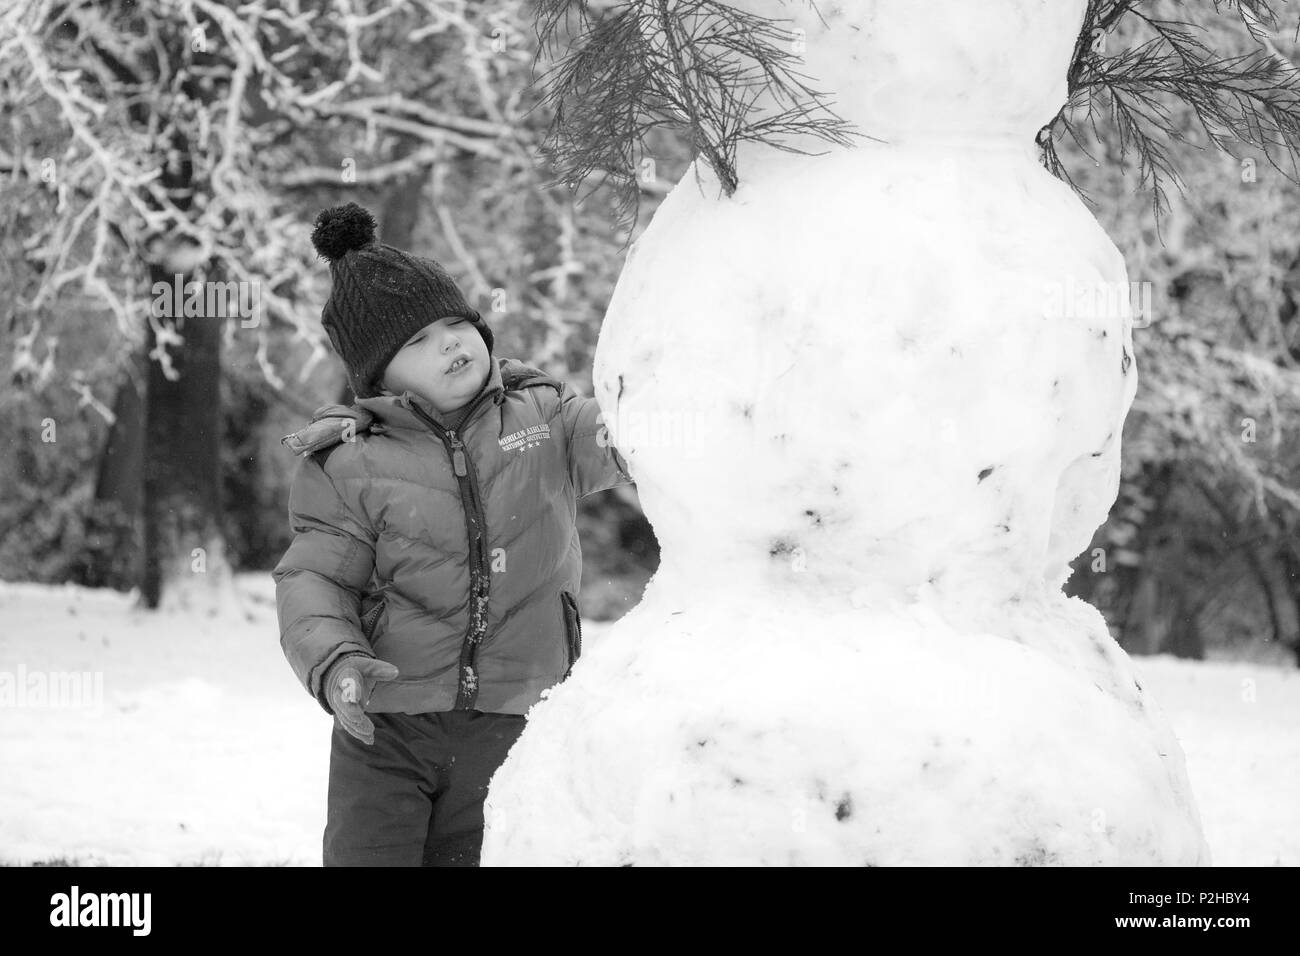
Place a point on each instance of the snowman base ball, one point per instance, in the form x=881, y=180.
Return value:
x=891, y=740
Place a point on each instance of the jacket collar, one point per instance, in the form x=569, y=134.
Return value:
x=331, y=423
x=397, y=411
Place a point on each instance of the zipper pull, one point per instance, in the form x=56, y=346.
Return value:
x=457, y=455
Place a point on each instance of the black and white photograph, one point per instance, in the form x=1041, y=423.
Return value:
x=651, y=433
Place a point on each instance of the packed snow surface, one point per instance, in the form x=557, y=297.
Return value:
x=202, y=748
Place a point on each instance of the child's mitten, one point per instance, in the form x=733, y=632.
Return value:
x=349, y=682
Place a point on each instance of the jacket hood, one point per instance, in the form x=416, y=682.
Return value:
x=330, y=424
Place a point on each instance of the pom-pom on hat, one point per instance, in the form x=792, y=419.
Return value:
x=381, y=296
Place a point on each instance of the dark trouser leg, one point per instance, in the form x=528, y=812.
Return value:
x=380, y=795
x=478, y=744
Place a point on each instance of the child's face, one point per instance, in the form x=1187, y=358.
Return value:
x=422, y=364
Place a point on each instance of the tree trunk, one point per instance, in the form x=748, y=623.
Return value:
x=1148, y=615
x=121, y=464
x=182, y=463
x=113, y=531
x=1288, y=597
x=1184, y=634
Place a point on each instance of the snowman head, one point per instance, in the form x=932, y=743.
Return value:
x=948, y=69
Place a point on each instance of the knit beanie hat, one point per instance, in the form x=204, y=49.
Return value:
x=381, y=296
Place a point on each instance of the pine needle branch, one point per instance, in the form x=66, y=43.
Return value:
x=1250, y=98
x=698, y=66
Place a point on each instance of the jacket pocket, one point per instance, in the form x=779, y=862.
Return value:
x=572, y=628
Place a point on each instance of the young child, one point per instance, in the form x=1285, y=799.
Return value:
x=429, y=596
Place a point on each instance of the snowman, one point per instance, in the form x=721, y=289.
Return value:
x=901, y=371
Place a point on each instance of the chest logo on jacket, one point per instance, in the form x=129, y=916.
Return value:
x=525, y=438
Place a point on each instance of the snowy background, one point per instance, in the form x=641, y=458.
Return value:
x=205, y=751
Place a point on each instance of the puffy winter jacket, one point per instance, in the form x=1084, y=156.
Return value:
x=444, y=544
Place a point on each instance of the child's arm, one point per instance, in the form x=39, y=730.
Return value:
x=594, y=462
x=318, y=582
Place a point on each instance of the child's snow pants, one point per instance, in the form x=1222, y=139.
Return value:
x=414, y=797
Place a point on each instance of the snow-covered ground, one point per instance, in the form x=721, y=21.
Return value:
x=196, y=745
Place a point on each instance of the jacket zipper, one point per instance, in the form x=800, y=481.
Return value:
x=476, y=529
x=573, y=637
x=371, y=617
